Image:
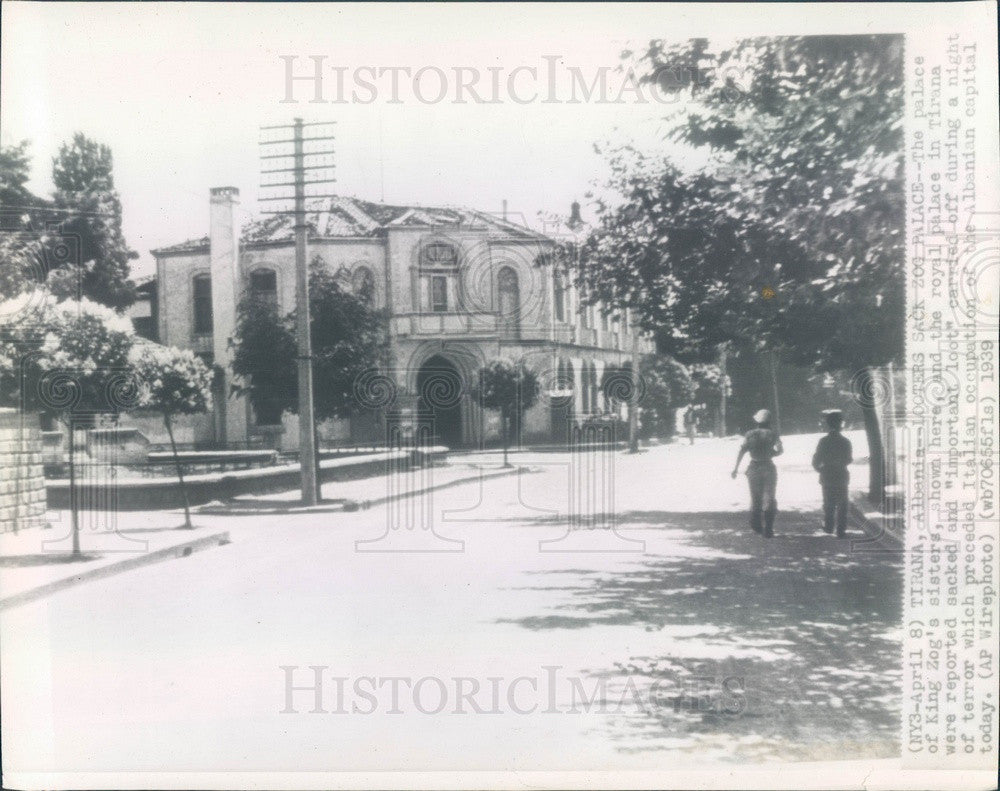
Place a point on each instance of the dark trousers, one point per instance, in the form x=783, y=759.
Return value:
x=763, y=479
x=835, y=507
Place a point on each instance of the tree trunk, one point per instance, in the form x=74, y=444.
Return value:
x=180, y=472
x=873, y=432
x=74, y=507
x=504, y=433
x=319, y=484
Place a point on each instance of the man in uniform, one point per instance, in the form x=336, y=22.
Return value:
x=763, y=444
x=833, y=455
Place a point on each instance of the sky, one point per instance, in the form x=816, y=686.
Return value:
x=179, y=91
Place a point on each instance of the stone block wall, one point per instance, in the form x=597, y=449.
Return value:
x=22, y=484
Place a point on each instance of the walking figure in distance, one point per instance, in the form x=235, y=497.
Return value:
x=831, y=459
x=689, y=424
x=763, y=444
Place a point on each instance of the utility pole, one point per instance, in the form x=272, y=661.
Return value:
x=290, y=154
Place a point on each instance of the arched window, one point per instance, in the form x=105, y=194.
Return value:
x=202, y=299
x=509, y=300
x=264, y=285
x=363, y=284
x=594, y=390
x=559, y=295
x=438, y=255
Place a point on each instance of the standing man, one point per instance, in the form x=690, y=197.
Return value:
x=763, y=444
x=833, y=455
x=689, y=423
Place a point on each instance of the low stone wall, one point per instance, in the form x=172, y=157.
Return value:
x=146, y=494
x=22, y=485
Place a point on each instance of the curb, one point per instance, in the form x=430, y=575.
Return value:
x=366, y=504
x=878, y=529
x=175, y=551
x=346, y=504
x=331, y=506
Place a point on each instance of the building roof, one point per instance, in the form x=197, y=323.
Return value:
x=340, y=217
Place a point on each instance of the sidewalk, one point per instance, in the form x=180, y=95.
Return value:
x=38, y=561
x=885, y=520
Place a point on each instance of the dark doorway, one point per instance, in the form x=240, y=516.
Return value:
x=561, y=403
x=440, y=388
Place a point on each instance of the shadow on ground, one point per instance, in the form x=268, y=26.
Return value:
x=784, y=649
x=44, y=559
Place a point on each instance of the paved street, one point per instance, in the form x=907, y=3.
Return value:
x=709, y=644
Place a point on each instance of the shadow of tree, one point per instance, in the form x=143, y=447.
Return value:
x=44, y=559
x=800, y=628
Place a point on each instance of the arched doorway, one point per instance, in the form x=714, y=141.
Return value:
x=561, y=403
x=439, y=405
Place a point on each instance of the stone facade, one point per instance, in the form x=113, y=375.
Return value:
x=461, y=288
x=22, y=487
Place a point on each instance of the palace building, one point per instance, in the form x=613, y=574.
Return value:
x=461, y=288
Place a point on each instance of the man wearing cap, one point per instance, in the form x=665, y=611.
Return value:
x=831, y=459
x=763, y=444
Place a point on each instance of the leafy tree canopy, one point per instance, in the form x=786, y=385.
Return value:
x=74, y=243
x=93, y=244
x=15, y=170
x=348, y=338
x=506, y=387
x=173, y=381
x=791, y=237
x=61, y=356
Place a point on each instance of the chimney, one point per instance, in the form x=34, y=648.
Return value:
x=574, y=215
x=224, y=254
x=504, y=204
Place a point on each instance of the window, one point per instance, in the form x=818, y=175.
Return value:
x=559, y=295
x=510, y=300
x=439, y=293
x=264, y=285
x=439, y=255
x=267, y=413
x=203, y=304
x=363, y=284
x=438, y=276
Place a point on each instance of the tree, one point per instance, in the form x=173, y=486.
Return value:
x=96, y=259
x=667, y=385
x=348, y=336
x=790, y=239
x=510, y=389
x=67, y=359
x=62, y=355
x=710, y=385
x=264, y=357
x=15, y=170
x=19, y=263
x=172, y=382
x=21, y=249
